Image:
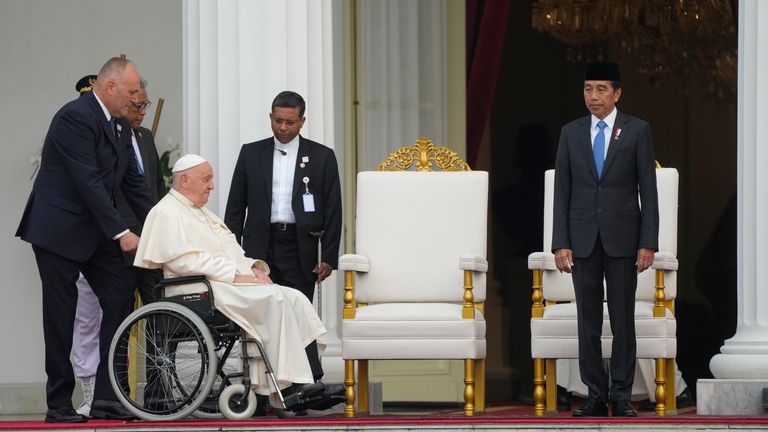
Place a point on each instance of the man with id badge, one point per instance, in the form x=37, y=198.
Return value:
x=285, y=196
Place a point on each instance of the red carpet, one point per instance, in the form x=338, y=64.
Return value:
x=495, y=415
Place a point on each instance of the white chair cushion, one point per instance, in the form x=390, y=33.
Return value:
x=559, y=287
x=415, y=252
x=413, y=331
x=555, y=334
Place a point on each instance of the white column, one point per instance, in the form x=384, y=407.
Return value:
x=238, y=55
x=745, y=355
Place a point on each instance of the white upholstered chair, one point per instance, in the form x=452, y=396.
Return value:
x=553, y=315
x=415, y=288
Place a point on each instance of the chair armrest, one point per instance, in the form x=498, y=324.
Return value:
x=354, y=262
x=664, y=261
x=541, y=261
x=473, y=262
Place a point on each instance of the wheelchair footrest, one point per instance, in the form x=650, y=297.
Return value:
x=324, y=403
x=303, y=395
x=326, y=398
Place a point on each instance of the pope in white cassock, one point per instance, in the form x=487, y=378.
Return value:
x=184, y=238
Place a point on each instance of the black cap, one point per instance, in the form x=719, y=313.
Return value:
x=85, y=84
x=599, y=71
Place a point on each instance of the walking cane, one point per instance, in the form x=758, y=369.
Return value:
x=319, y=236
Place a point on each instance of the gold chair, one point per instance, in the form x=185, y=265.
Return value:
x=415, y=288
x=553, y=314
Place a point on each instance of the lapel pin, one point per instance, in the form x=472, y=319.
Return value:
x=119, y=128
x=618, y=132
x=305, y=159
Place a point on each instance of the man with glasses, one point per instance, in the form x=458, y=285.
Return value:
x=285, y=195
x=148, y=165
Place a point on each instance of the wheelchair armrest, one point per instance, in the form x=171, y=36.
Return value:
x=159, y=289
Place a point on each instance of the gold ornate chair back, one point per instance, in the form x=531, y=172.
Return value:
x=424, y=155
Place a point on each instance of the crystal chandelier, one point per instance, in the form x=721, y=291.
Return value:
x=688, y=39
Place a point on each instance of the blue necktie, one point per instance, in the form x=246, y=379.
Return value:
x=598, y=148
x=112, y=126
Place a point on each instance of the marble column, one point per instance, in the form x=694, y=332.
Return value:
x=238, y=55
x=745, y=355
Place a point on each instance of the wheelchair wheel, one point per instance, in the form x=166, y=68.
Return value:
x=167, y=351
x=231, y=405
x=209, y=409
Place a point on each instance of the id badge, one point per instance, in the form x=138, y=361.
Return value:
x=309, y=202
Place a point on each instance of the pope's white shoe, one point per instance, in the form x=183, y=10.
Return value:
x=88, y=383
x=85, y=409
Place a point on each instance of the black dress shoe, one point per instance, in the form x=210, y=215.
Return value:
x=262, y=403
x=684, y=400
x=64, y=415
x=623, y=408
x=592, y=408
x=110, y=410
x=334, y=390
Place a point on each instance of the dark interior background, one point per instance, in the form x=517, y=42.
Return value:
x=539, y=90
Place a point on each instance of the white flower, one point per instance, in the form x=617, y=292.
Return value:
x=35, y=160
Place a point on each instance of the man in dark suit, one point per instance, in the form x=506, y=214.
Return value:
x=148, y=166
x=290, y=188
x=85, y=353
x=73, y=226
x=601, y=231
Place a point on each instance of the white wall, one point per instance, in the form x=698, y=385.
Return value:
x=45, y=47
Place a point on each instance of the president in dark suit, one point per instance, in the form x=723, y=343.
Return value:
x=73, y=226
x=602, y=231
x=289, y=188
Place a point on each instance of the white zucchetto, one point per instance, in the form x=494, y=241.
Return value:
x=187, y=161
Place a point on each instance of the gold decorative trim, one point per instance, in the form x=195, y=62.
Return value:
x=426, y=156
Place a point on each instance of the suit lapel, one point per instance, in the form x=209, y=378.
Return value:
x=299, y=172
x=586, y=144
x=102, y=119
x=146, y=160
x=616, y=139
x=266, y=159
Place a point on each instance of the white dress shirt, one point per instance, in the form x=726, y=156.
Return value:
x=283, y=170
x=610, y=119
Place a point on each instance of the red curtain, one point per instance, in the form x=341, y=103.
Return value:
x=486, y=29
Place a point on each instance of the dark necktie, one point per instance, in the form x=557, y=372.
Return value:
x=598, y=148
x=112, y=126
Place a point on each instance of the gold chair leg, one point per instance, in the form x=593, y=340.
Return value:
x=362, y=387
x=349, y=383
x=670, y=387
x=661, y=397
x=469, y=387
x=135, y=340
x=480, y=385
x=550, y=375
x=538, y=387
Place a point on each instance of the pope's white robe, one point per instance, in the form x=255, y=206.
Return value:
x=186, y=240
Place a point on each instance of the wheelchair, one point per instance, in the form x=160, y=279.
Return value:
x=169, y=360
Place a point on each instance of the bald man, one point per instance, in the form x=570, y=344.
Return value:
x=73, y=226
